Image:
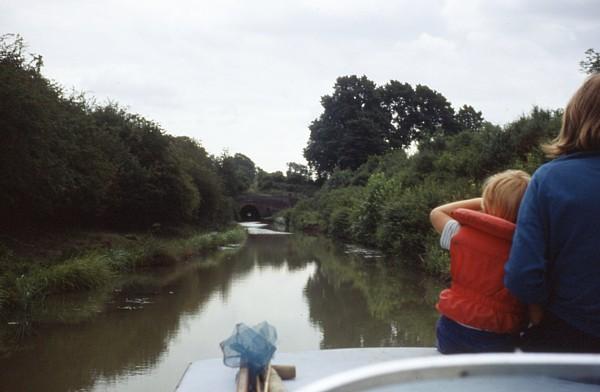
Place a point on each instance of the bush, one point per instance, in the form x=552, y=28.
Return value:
x=310, y=221
x=436, y=260
x=405, y=223
x=340, y=223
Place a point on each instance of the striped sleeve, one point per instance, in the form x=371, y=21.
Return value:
x=450, y=228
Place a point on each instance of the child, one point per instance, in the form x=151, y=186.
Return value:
x=478, y=314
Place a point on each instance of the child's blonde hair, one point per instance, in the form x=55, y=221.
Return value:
x=502, y=193
x=580, y=129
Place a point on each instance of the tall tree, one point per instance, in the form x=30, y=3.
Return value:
x=361, y=120
x=435, y=114
x=399, y=100
x=352, y=126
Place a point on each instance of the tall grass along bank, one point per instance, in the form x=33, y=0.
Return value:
x=93, y=261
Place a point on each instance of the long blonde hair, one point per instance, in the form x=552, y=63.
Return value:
x=580, y=129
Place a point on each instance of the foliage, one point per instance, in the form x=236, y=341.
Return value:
x=340, y=223
x=68, y=162
x=591, y=63
x=435, y=260
x=297, y=173
x=469, y=118
x=237, y=172
x=350, y=129
x=297, y=180
x=385, y=202
x=361, y=120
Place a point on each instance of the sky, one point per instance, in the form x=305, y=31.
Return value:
x=247, y=76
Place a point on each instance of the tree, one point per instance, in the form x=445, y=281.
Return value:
x=351, y=128
x=152, y=185
x=67, y=162
x=415, y=114
x=237, y=173
x=468, y=118
x=297, y=173
x=591, y=63
x=196, y=165
x=398, y=99
x=435, y=114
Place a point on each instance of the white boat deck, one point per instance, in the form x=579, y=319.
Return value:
x=213, y=375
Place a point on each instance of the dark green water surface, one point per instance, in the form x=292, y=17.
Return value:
x=141, y=336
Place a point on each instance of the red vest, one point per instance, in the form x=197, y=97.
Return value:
x=477, y=296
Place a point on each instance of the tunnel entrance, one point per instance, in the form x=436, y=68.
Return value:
x=249, y=213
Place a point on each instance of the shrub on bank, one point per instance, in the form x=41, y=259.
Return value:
x=435, y=260
x=340, y=223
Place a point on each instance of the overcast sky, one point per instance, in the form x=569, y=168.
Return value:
x=247, y=76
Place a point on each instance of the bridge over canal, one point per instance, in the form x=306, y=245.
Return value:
x=256, y=206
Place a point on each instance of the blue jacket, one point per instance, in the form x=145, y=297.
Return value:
x=555, y=256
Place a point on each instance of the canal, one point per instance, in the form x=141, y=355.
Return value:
x=140, y=337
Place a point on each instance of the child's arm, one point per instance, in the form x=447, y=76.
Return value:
x=439, y=216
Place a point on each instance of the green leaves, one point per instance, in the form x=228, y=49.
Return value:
x=350, y=129
x=591, y=63
x=385, y=203
x=361, y=120
x=65, y=161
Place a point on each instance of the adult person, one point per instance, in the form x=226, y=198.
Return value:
x=555, y=258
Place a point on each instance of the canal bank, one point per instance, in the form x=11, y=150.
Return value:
x=42, y=266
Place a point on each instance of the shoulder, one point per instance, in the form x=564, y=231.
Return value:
x=569, y=162
x=565, y=169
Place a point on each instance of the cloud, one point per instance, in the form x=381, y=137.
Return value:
x=248, y=76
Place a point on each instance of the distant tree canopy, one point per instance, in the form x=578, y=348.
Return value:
x=67, y=162
x=297, y=173
x=238, y=173
x=591, y=63
x=360, y=119
x=297, y=179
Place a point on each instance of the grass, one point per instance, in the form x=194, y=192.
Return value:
x=94, y=261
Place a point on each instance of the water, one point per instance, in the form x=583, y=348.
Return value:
x=142, y=336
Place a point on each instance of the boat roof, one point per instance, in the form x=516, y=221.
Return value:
x=213, y=375
x=413, y=369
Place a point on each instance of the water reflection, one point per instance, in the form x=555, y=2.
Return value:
x=371, y=305
x=141, y=337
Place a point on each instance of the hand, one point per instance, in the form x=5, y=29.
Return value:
x=536, y=314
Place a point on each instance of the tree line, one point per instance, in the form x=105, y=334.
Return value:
x=386, y=155
x=66, y=161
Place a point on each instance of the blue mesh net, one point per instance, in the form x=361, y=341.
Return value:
x=251, y=347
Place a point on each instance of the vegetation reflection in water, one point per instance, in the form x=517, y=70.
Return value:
x=142, y=336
